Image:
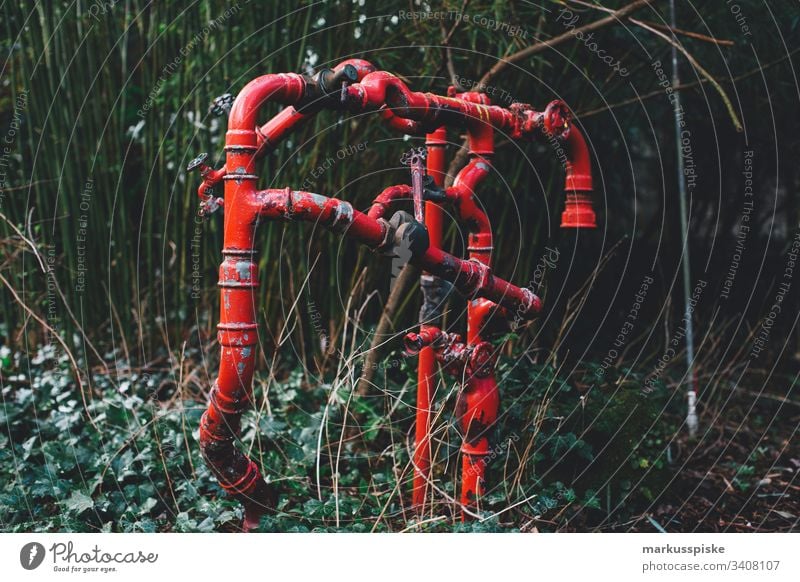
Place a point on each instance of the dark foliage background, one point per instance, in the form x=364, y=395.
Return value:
x=103, y=104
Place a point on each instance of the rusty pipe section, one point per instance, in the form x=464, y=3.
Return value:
x=380, y=90
x=417, y=113
x=470, y=277
x=477, y=404
x=270, y=134
x=237, y=330
x=357, y=86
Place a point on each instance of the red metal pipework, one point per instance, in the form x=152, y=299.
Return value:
x=276, y=129
x=409, y=112
x=430, y=313
x=380, y=206
x=478, y=402
x=578, y=211
x=238, y=280
x=469, y=277
x=237, y=329
x=382, y=89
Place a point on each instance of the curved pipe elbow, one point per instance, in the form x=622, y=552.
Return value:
x=579, y=164
x=463, y=193
x=287, y=88
x=362, y=67
x=381, y=88
x=578, y=211
x=400, y=124
x=382, y=202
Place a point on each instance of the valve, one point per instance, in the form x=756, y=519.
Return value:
x=221, y=105
x=409, y=234
x=199, y=163
x=331, y=81
x=415, y=160
x=208, y=203
x=556, y=119
x=455, y=356
x=432, y=191
x=326, y=87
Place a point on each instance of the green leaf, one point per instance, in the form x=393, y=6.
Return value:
x=79, y=502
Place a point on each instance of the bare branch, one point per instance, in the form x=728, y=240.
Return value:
x=612, y=18
x=728, y=105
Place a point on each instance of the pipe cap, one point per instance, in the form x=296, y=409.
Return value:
x=578, y=212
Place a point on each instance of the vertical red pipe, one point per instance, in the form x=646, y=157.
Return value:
x=479, y=402
x=238, y=335
x=237, y=330
x=436, y=143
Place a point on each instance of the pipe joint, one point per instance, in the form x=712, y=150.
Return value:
x=409, y=238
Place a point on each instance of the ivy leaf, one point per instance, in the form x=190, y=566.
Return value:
x=79, y=502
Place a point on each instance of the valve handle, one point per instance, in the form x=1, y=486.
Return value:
x=221, y=105
x=198, y=162
x=415, y=159
x=413, y=344
x=209, y=206
x=209, y=203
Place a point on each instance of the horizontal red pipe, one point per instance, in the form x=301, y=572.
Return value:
x=381, y=88
x=470, y=277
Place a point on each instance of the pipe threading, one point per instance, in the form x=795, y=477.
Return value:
x=238, y=273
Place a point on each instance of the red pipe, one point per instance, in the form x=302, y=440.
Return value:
x=244, y=206
x=477, y=408
x=381, y=88
x=479, y=401
x=578, y=211
x=436, y=143
x=470, y=277
x=276, y=129
x=391, y=194
x=238, y=280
